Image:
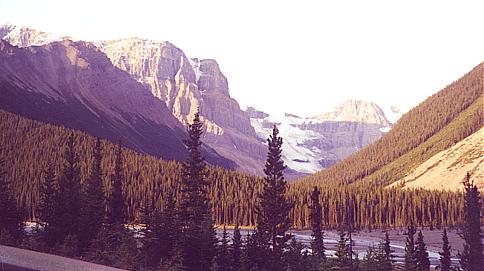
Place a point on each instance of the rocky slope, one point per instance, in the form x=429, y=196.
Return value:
x=185, y=85
x=74, y=84
x=447, y=169
x=312, y=144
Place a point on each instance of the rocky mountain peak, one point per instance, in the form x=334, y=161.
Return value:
x=185, y=85
x=357, y=111
x=24, y=36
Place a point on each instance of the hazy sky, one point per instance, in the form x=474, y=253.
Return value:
x=302, y=57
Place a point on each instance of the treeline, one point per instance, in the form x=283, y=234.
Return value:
x=412, y=129
x=29, y=146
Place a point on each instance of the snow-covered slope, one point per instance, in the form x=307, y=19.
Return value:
x=311, y=144
x=296, y=156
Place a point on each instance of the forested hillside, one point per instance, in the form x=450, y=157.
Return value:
x=28, y=146
x=439, y=122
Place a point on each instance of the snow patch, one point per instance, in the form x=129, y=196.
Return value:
x=195, y=63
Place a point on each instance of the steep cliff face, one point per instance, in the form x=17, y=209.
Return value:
x=187, y=85
x=184, y=85
x=74, y=84
x=312, y=144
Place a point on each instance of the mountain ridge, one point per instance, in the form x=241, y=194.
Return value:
x=74, y=84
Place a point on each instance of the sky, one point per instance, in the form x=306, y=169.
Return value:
x=302, y=57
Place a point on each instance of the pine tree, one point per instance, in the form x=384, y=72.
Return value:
x=93, y=204
x=49, y=197
x=255, y=255
x=69, y=202
x=317, y=243
x=223, y=256
x=445, y=262
x=388, y=257
x=117, y=207
x=11, y=224
x=199, y=245
x=410, y=255
x=343, y=257
x=273, y=208
x=370, y=262
x=162, y=235
x=294, y=260
x=471, y=259
x=236, y=249
x=423, y=262
x=114, y=245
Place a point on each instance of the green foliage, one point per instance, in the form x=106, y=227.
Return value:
x=445, y=262
x=294, y=260
x=343, y=257
x=387, y=253
x=114, y=246
x=423, y=262
x=162, y=235
x=317, y=242
x=233, y=195
x=49, y=196
x=11, y=219
x=93, y=202
x=471, y=258
x=116, y=207
x=410, y=254
x=68, y=203
x=236, y=250
x=273, y=207
x=199, y=244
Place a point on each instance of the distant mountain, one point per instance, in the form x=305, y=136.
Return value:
x=184, y=85
x=312, y=144
x=432, y=127
x=75, y=85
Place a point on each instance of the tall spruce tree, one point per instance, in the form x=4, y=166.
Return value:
x=471, y=258
x=117, y=206
x=223, y=255
x=317, y=242
x=445, y=262
x=273, y=207
x=69, y=201
x=423, y=262
x=388, y=256
x=342, y=254
x=49, y=196
x=236, y=249
x=93, y=204
x=410, y=255
x=199, y=245
x=11, y=224
x=114, y=245
x=162, y=234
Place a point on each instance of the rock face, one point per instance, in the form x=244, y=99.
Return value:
x=187, y=85
x=312, y=144
x=184, y=85
x=74, y=84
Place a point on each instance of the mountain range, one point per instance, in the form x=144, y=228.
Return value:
x=144, y=92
